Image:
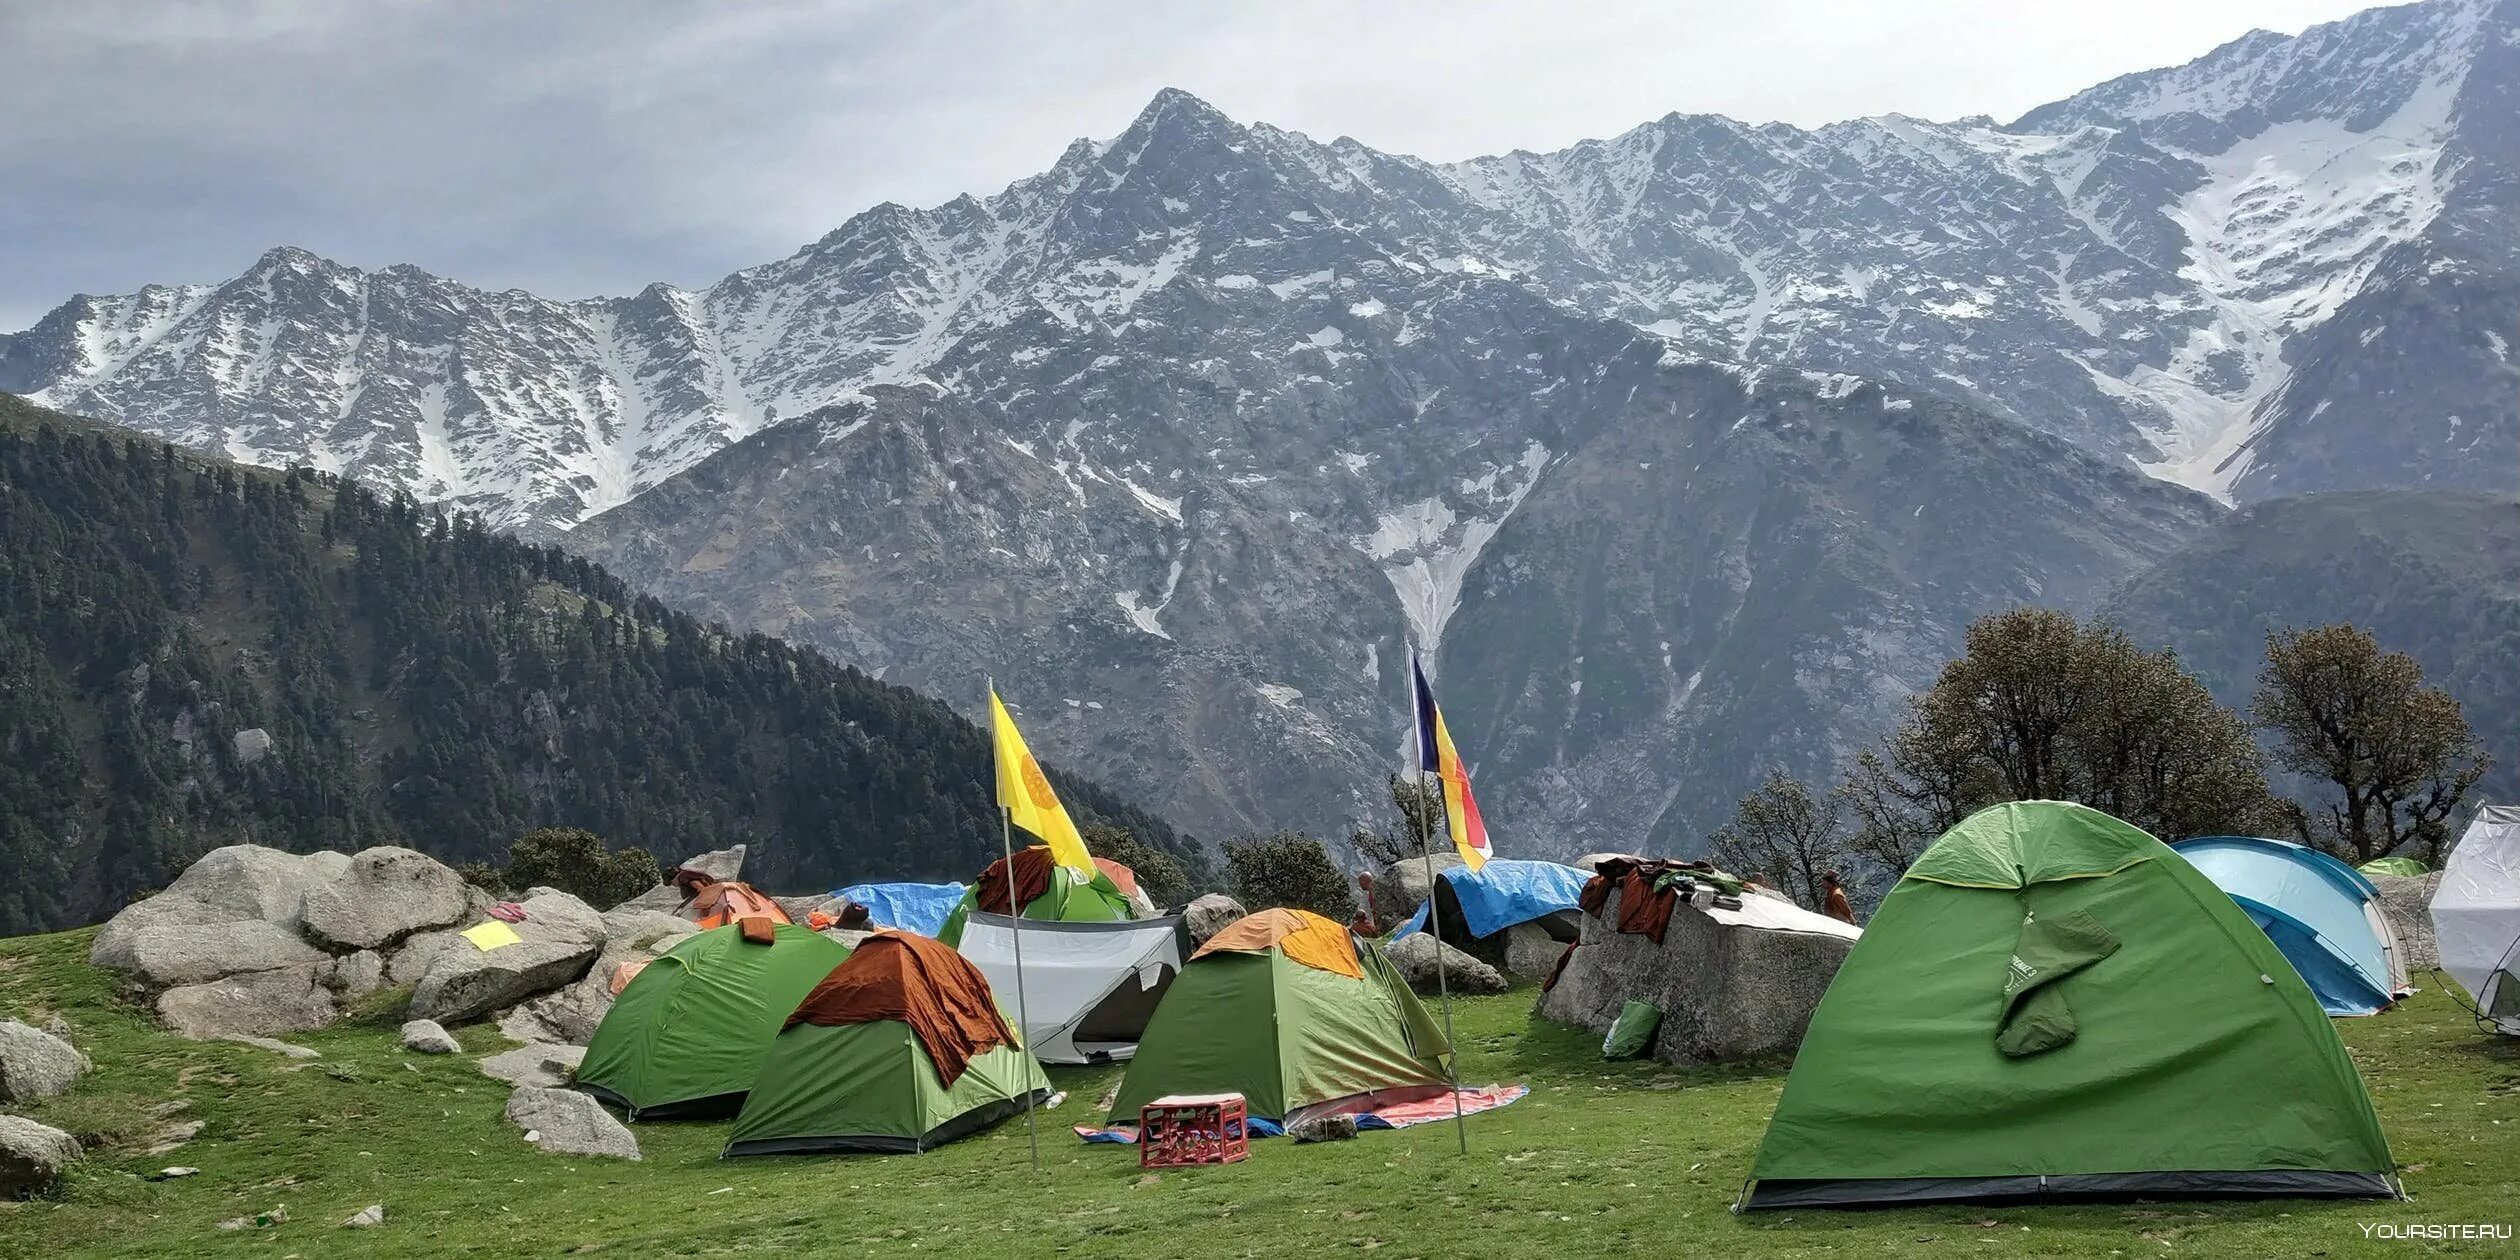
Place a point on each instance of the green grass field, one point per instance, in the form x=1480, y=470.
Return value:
x=1600, y=1160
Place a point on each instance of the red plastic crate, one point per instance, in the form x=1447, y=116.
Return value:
x=1180, y=1130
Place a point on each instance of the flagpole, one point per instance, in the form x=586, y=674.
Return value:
x=1015, y=930
x=1434, y=907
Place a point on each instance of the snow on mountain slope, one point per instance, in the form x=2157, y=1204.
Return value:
x=2125, y=268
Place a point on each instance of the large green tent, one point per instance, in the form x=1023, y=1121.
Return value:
x=1248, y=1016
x=854, y=1072
x=2050, y=1005
x=688, y=1034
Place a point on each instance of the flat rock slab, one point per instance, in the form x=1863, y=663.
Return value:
x=249, y=1005
x=560, y=936
x=548, y=1066
x=166, y=955
x=36, y=1064
x=566, y=1122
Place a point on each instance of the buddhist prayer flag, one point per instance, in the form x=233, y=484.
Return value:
x=1024, y=792
x=1436, y=753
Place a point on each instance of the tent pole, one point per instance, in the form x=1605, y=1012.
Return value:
x=1434, y=908
x=1015, y=932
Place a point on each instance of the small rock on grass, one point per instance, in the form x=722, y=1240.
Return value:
x=426, y=1036
x=369, y=1217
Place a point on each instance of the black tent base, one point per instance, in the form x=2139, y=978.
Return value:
x=714, y=1107
x=2080, y=1187
x=964, y=1125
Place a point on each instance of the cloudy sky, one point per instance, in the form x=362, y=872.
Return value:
x=583, y=148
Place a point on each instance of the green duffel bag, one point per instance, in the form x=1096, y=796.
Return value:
x=1632, y=1033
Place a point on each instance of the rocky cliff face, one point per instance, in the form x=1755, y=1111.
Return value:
x=1188, y=437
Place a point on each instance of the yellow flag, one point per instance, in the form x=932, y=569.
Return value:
x=1025, y=793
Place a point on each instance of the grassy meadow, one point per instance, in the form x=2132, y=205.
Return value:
x=1601, y=1160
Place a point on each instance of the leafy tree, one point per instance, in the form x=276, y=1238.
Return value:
x=2042, y=707
x=1417, y=803
x=1783, y=832
x=1160, y=874
x=573, y=860
x=1288, y=869
x=2399, y=753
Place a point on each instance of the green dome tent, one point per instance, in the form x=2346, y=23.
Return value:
x=1347, y=1032
x=1049, y=891
x=2097, y=1020
x=688, y=1033
x=900, y=1049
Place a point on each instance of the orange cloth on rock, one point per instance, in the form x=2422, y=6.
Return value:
x=1304, y=937
x=921, y=982
x=719, y=904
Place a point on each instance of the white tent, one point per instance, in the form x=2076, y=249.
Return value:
x=1089, y=988
x=2476, y=914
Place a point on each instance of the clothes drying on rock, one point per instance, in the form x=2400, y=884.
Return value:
x=2172, y=1051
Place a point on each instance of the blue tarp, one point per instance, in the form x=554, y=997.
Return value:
x=920, y=908
x=2318, y=911
x=1505, y=892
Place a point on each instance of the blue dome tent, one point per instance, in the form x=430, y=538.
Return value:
x=2324, y=915
x=920, y=908
x=1501, y=894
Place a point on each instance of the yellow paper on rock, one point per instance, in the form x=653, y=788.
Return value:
x=491, y=935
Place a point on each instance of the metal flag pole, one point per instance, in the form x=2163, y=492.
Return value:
x=1015, y=928
x=1434, y=908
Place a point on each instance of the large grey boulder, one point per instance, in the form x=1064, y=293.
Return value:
x=1530, y=952
x=1209, y=915
x=35, y=1064
x=409, y=961
x=560, y=936
x=252, y=1004
x=570, y=1014
x=239, y=883
x=2406, y=902
x=662, y=899
x=33, y=1157
x=167, y=955
x=425, y=1036
x=550, y=1065
x=1418, y=957
x=253, y=882
x=1400, y=888
x=384, y=895
x=1729, y=993
x=566, y=1122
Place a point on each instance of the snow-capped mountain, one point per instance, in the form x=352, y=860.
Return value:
x=1190, y=435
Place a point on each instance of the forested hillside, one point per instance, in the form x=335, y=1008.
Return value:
x=2436, y=576
x=194, y=654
